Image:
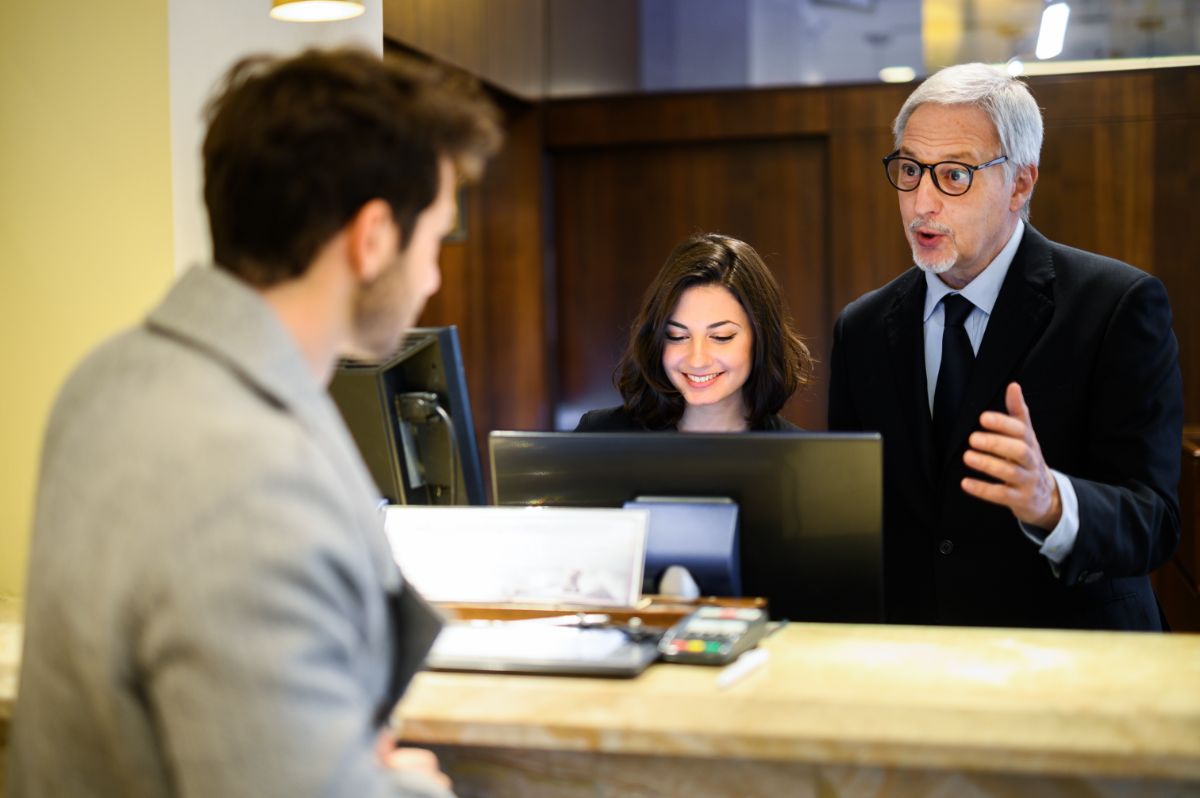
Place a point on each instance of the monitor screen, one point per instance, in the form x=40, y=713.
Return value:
x=411, y=418
x=810, y=504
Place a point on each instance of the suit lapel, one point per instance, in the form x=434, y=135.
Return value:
x=906, y=345
x=1021, y=313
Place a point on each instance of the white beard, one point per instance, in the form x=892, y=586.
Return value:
x=935, y=267
x=932, y=267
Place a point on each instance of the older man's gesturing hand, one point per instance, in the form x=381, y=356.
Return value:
x=1007, y=450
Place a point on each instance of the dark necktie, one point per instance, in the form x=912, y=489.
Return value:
x=957, y=359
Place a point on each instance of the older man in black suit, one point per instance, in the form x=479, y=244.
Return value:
x=1029, y=393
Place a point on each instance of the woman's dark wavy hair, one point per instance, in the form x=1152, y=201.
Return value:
x=781, y=361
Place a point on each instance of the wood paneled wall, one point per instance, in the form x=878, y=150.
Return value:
x=501, y=42
x=797, y=174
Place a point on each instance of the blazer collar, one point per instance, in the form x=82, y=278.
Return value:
x=214, y=312
x=218, y=315
x=906, y=348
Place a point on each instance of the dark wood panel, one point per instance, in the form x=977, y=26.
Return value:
x=493, y=286
x=866, y=107
x=512, y=272
x=1094, y=190
x=686, y=117
x=500, y=43
x=1176, y=224
x=867, y=243
x=1101, y=96
x=619, y=212
x=1120, y=167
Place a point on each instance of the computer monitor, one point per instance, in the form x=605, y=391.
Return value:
x=811, y=504
x=410, y=415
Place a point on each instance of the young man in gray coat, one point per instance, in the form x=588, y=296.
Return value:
x=212, y=605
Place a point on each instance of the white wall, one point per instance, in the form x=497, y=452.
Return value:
x=206, y=38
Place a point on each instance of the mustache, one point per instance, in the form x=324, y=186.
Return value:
x=934, y=227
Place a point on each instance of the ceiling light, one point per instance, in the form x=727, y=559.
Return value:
x=897, y=74
x=1054, y=30
x=315, y=10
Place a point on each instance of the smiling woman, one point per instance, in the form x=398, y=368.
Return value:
x=712, y=349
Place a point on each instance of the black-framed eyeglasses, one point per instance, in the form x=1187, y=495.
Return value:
x=950, y=177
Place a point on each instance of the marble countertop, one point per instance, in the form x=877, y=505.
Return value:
x=1026, y=701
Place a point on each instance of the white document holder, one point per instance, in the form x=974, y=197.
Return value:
x=552, y=555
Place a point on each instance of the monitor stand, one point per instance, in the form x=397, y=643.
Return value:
x=697, y=533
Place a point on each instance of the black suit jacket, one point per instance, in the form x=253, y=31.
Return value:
x=1089, y=339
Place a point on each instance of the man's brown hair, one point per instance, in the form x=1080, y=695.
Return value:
x=295, y=147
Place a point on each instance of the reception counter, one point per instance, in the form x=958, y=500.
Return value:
x=838, y=710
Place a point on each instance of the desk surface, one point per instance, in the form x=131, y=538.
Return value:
x=1025, y=701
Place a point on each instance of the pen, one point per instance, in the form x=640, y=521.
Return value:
x=742, y=667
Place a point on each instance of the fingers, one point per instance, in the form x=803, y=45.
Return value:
x=1016, y=423
x=1007, y=450
x=1012, y=449
x=996, y=493
x=1014, y=402
x=418, y=760
x=1000, y=468
x=1002, y=424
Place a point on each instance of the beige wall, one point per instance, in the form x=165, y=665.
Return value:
x=85, y=211
x=100, y=128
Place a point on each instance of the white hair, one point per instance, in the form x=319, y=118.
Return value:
x=1006, y=101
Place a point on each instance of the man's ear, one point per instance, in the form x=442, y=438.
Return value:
x=1023, y=183
x=372, y=239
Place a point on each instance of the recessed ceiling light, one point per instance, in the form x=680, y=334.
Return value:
x=897, y=74
x=316, y=10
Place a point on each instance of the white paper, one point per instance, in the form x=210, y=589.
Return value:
x=521, y=554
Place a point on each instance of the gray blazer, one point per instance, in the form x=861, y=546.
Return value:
x=210, y=595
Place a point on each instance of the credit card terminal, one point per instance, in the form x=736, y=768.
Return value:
x=713, y=635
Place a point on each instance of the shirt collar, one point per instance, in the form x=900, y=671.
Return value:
x=985, y=288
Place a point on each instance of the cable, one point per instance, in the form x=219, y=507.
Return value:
x=421, y=407
x=453, y=438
